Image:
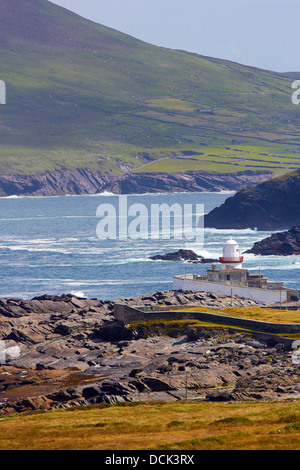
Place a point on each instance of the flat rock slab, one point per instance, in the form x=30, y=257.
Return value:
x=57, y=346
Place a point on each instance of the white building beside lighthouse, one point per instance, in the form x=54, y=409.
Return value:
x=232, y=279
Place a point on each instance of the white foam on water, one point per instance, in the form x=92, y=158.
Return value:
x=13, y=352
x=79, y=294
x=105, y=193
x=228, y=231
x=61, y=241
x=226, y=192
x=37, y=249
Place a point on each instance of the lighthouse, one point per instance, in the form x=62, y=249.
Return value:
x=231, y=255
x=232, y=279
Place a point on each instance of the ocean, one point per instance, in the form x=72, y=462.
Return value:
x=49, y=245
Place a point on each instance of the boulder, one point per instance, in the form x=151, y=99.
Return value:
x=218, y=395
x=60, y=396
x=92, y=391
x=135, y=372
x=33, y=403
x=156, y=385
x=116, y=388
x=114, y=331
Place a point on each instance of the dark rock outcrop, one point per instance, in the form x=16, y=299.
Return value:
x=186, y=255
x=282, y=243
x=271, y=205
x=178, y=256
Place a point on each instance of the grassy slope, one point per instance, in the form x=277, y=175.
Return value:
x=178, y=426
x=256, y=313
x=83, y=95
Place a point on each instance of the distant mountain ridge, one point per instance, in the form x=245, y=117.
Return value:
x=26, y=24
x=84, y=96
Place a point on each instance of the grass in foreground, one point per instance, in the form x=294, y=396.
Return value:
x=178, y=426
x=255, y=313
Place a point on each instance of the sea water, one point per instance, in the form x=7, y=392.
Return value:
x=49, y=245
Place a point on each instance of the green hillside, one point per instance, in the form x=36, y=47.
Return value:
x=81, y=95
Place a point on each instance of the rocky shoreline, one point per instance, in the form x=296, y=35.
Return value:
x=86, y=181
x=64, y=351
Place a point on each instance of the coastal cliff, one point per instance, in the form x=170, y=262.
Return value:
x=270, y=205
x=85, y=181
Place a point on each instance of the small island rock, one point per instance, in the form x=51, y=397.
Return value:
x=282, y=243
x=186, y=255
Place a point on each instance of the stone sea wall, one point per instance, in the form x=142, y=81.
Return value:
x=128, y=314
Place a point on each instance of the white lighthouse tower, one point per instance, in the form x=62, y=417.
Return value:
x=231, y=279
x=231, y=255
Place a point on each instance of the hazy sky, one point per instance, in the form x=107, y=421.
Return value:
x=262, y=33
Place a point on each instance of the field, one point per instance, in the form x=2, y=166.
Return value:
x=87, y=96
x=187, y=425
x=166, y=160
x=227, y=160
